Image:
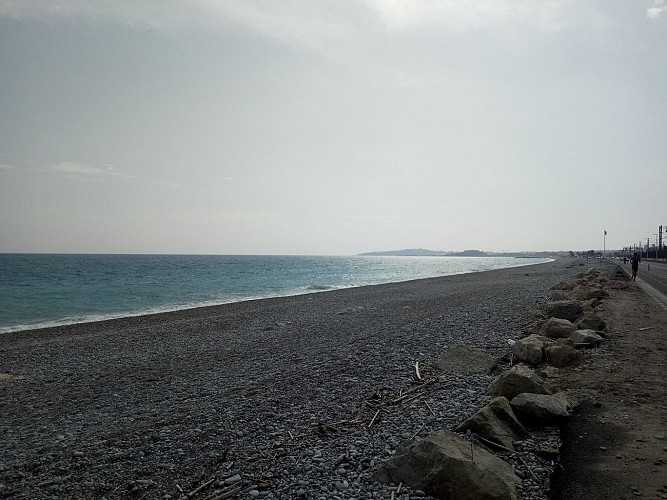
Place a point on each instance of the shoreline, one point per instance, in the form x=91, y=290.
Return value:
x=97, y=318
x=274, y=391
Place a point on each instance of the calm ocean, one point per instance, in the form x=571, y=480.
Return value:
x=38, y=290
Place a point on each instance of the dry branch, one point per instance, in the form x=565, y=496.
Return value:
x=197, y=490
x=373, y=419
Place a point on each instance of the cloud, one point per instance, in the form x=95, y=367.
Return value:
x=4, y=166
x=657, y=10
x=68, y=167
x=303, y=22
x=466, y=14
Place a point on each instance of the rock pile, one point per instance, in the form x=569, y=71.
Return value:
x=480, y=460
x=570, y=323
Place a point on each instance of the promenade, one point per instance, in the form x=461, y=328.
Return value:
x=652, y=277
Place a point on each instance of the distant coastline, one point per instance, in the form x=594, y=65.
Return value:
x=423, y=252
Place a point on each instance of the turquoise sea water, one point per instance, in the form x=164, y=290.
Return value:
x=38, y=290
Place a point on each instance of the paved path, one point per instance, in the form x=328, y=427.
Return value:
x=652, y=276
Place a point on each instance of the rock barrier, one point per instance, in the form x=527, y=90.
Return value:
x=475, y=461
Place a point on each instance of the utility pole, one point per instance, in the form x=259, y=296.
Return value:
x=660, y=238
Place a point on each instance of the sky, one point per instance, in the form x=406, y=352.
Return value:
x=331, y=127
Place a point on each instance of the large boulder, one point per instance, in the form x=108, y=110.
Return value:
x=565, y=309
x=586, y=338
x=561, y=353
x=537, y=410
x=464, y=359
x=591, y=322
x=585, y=292
x=496, y=423
x=517, y=380
x=529, y=349
x=444, y=465
x=559, y=295
x=563, y=285
x=556, y=328
x=588, y=306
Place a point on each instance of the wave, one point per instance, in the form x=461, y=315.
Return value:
x=371, y=279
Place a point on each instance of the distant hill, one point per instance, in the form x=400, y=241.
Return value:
x=422, y=252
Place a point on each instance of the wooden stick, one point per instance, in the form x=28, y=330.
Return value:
x=404, y=397
x=513, y=452
x=213, y=495
x=373, y=419
x=229, y=493
x=417, y=387
x=418, y=431
x=413, y=397
x=290, y=434
x=429, y=408
x=419, y=377
x=393, y=496
x=400, y=487
x=197, y=490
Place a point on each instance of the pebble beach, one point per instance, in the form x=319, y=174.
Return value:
x=292, y=397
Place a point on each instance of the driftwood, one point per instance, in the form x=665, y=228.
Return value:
x=513, y=452
x=373, y=419
x=227, y=494
x=197, y=490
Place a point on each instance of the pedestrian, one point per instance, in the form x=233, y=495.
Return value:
x=635, y=265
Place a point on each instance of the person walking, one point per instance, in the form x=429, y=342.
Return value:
x=634, y=261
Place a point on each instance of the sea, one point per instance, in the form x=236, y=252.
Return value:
x=44, y=290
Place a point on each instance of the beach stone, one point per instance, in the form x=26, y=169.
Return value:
x=561, y=353
x=548, y=445
x=529, y=349
x=565, y=309
x=497, y=423
x=464, y=359
x=563, y=285
x=591, y=322
x=557, y=295
x=588, y=306
x=586, y=338
x=536, y=410
x=584, y=292
x=557, y=328
x=445, y=465
x=518, y=379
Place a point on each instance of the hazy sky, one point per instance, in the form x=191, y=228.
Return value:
x=332, y=126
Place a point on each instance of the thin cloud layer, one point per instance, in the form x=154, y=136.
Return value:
x=466, y=14
x=69, y=167
x=306, y=20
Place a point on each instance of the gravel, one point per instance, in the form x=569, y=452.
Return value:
x=271, y=397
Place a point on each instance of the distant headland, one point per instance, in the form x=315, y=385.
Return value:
x=423, y=252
